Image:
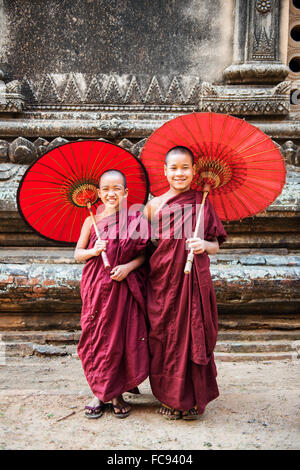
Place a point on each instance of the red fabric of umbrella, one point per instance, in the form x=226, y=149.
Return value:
x=243, y=167
x=54, y=191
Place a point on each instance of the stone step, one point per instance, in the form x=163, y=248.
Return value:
x=72, y=337
x=258, y=335
x=246, y=257
x=272, y=356
x=262, y=345
x=259, y=322
x=41, y=337
x=257, y=346
x=24, y=349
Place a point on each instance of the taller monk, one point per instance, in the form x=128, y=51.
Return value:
x=182, y=308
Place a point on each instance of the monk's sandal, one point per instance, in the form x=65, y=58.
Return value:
x=173, y=415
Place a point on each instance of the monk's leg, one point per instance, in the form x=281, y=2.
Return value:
x=120, y=407
x=94, y=409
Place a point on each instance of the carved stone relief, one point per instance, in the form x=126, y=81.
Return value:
x=11, y=99
x=257, y=43
x=23, y=152
x=263, y=6
x=79, y=91
x=263, y=32
x=240, y=100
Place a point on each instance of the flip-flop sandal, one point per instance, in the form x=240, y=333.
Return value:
x=175, y=414
x=96, y=411
x=119, y=415
x=190, y=415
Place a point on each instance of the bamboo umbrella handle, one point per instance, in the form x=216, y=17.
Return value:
x=190, y=257
x=103, y=254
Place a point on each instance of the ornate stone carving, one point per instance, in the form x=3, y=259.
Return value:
x=291, y=153
x=133, y=94
x=244, y=100
x=137, y=148
x=48, y=91
x=255, y=73
x=21, y=151
x=4, y=151
x=56, y=143
x=263, y=46
x=263, y=6
x=11, y=99
x=10, y=171
x=126, y=144
x=111, y=92
x=40, y=146
x=93, y=94
x=257, y=42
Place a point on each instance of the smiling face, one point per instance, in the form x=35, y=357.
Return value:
x=111, y=190
x=179, y=170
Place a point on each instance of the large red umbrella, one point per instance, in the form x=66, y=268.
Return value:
x=55, y=190
x=243, y=166
x=238, y=166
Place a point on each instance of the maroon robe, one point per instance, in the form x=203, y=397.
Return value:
x=113, y=345
x=182, y=310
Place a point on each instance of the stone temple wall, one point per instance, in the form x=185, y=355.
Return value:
x=118, y=70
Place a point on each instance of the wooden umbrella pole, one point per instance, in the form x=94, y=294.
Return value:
x=190, y=257
x=103, y=254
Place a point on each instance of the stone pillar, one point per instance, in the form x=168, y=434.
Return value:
x=257, y=38
x=255, y=81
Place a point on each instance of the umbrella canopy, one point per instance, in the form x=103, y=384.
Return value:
x=243, y=166
x=53, y=194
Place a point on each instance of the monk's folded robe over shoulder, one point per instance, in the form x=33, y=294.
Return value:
x=113, y=345
x=182, y=309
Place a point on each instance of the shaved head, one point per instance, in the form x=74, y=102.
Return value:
x=180, y=149
x=114, y=173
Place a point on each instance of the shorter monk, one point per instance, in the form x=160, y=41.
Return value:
x=181, y=307
x=113, y=345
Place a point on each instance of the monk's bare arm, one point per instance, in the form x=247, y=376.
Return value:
x=82, y=254
x=199, y=246
x=212, y=247
x=136, y=262
x=118, y=273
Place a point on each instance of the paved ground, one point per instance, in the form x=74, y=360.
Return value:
x=258, y=408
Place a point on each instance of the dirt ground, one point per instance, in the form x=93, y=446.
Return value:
x=258, y=408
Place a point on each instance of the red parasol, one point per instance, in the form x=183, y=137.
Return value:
x=238, y=165
x=55, y=190
x=243, y=166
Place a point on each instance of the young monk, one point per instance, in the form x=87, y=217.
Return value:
x=113, y=344
x=181, y=307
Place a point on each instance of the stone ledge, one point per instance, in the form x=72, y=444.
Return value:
x=24, y=344
x=246, y=257
x=118, y=127
x=35, y=288
x=239, y=357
